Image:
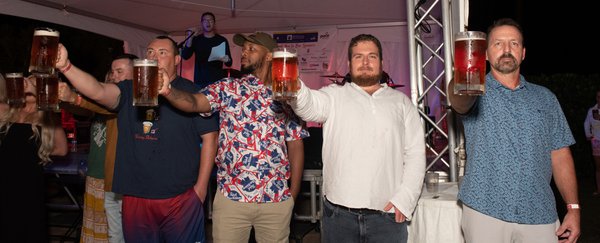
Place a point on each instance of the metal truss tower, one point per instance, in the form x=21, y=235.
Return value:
x=430, y=72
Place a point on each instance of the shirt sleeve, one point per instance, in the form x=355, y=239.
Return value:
x=294, y=126
x=563, y=136
x=312, y=105
x=407, y=196
x=215, y=93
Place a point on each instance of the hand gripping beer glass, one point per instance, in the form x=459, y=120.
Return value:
x=46, y=86
x=285, y=73
x=44, y=50
x=15, y=89
x=145, y=82
x=469, y=63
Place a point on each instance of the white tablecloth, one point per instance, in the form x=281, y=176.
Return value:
x=437, y=219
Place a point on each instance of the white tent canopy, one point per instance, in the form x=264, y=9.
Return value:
x=136, y=22
x=136, y=39
x=175, y=16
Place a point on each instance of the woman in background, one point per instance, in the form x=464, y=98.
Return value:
x=592, y=132
x=28, y=138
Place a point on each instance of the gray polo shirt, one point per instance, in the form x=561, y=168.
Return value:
x=509, y=137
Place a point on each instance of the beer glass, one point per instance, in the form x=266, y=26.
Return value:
x=432, y=180
x=46, y=86
x=15, y=89
x=44, y=50
x=469, y=63
x=145, y=82
x=285, y=73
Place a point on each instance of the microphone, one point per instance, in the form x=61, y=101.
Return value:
x=180, y=45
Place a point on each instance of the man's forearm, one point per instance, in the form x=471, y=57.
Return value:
x=207, y=160
x=296, y=157
x=87, y=85
x=188, y=102
x=563, y=170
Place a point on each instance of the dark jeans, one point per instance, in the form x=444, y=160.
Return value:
x=341, y=224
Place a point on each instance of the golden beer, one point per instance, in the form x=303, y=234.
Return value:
x=145, y=82
x=44, y=50
x=284, y=69
x=469, y=63
x=15, y=89
x=46, y=86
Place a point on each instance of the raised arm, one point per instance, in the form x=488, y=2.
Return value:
x=461, y=104
x=183, y=100
x=105, y=94
x=65, y=94
x=311, y=105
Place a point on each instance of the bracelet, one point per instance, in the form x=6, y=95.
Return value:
x=66, y=69
x=573, y=206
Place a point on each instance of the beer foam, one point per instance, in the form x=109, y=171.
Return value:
x=14, y=75
x=145, y=63
x=280, y=54
x=46, y=33
x=469, y=38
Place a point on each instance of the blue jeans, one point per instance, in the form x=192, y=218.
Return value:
x=360, y=226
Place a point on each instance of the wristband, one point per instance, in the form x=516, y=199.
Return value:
x=573, y=206
x=66, y=69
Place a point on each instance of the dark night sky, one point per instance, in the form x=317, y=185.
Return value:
x=558, y=37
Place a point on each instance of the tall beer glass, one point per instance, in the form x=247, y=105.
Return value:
x=285, y=73
x=44, y=50
x=469, y=63
x=15, y=89
x=46, y=86
x=145, y=82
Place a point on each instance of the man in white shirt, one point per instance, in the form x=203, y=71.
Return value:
x=373, y=150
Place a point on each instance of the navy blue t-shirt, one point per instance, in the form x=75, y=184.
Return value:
x=163, y=161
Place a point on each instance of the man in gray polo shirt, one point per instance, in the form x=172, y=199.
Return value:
x=517, y=140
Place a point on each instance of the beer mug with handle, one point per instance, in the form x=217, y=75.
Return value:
x=44, y=50
x=469, y=63
x=285, y=73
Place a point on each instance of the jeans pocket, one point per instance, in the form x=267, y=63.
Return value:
x=328, y=209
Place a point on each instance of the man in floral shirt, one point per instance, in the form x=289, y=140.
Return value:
x=260, y=147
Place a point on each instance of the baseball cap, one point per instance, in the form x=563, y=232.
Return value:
x=260, y=38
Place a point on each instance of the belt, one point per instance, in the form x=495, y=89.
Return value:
x=363, y=211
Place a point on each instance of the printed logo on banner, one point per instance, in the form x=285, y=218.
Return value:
x=313, y=52
x=296, y=37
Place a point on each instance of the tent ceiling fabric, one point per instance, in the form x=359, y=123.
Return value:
x=175, y=16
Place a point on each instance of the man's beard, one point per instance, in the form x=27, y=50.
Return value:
x=506, y=67
x=364, y=80
x=251, y=67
